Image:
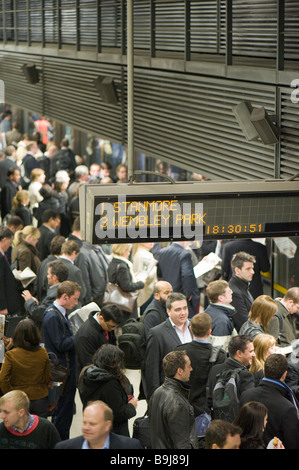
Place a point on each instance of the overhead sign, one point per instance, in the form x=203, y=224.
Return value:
x=188, y=211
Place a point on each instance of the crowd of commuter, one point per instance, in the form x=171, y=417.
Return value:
x=195, y=333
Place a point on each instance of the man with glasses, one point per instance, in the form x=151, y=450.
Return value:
x=97, y=330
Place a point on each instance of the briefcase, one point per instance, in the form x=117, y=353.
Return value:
x=141, y=431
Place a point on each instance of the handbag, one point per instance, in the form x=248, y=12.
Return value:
x=141, y=431
x=126, y=301
x=58, y=373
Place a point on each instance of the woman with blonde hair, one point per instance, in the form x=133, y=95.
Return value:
x=20, y=207
x=24, y=250
x=262, y=311
x=120, y=271
x=37, y=177
x=263, y=345
x=25, y=254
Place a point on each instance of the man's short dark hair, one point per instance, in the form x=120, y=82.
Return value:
x=59, y=269
x=56, y=244
x=238, y=259
x=69, y=246
x=12, y=170
x=172, y=361
x=76, y=224
x=69, y=288
x=238, y=343
x=275, y=366
x=49, y=214
x=201, y=323
x=218, y=431
x=106, y=166
x=112, y=312
x=15, y=221
x=174, y=297
x=46, y=191
x=5, y=232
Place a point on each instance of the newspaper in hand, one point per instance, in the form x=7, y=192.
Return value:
x=206, y=264
x=26, y=276
x=145, y=269
x=79, y=316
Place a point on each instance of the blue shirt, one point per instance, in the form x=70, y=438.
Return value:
x=106, y=445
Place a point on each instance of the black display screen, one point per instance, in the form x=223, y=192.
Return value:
x=127, y=218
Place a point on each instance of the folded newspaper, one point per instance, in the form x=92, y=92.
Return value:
x=79, y=316
x=26, y=276
x=206, y=264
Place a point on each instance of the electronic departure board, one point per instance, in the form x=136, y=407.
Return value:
x=141, y=212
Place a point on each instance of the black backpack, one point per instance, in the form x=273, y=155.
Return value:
x=132, y=341
x=225, y=395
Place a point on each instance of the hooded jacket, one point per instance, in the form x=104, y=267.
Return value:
x=98, y=384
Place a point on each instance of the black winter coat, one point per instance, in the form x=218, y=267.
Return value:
x=99, y=384
x=199, y=354
x=89, y=338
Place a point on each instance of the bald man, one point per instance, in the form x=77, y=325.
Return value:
x=96, y=431
x=156, y=311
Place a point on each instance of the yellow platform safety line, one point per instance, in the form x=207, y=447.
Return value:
x=276, y=286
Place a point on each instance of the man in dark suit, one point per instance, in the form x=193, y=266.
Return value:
x=9, y=190
x=48, y=230
x=175, y=266
x=7, y=163
x=202, y=356
x=96, y=431
x=29, y=162
x=256, y=249
x=165, y=338
x=57, y=273
x=9, y=297
x=69, y=252
x=155, y=312
x=97, y=330
x=280, y=401
x=42, y=272
x=59, y=339
x=242, y=267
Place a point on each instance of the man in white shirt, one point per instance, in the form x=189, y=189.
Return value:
x=165, y=338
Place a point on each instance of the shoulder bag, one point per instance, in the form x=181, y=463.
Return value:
x=115, y=295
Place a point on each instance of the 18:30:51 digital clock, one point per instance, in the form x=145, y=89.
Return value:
x=232, y=229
